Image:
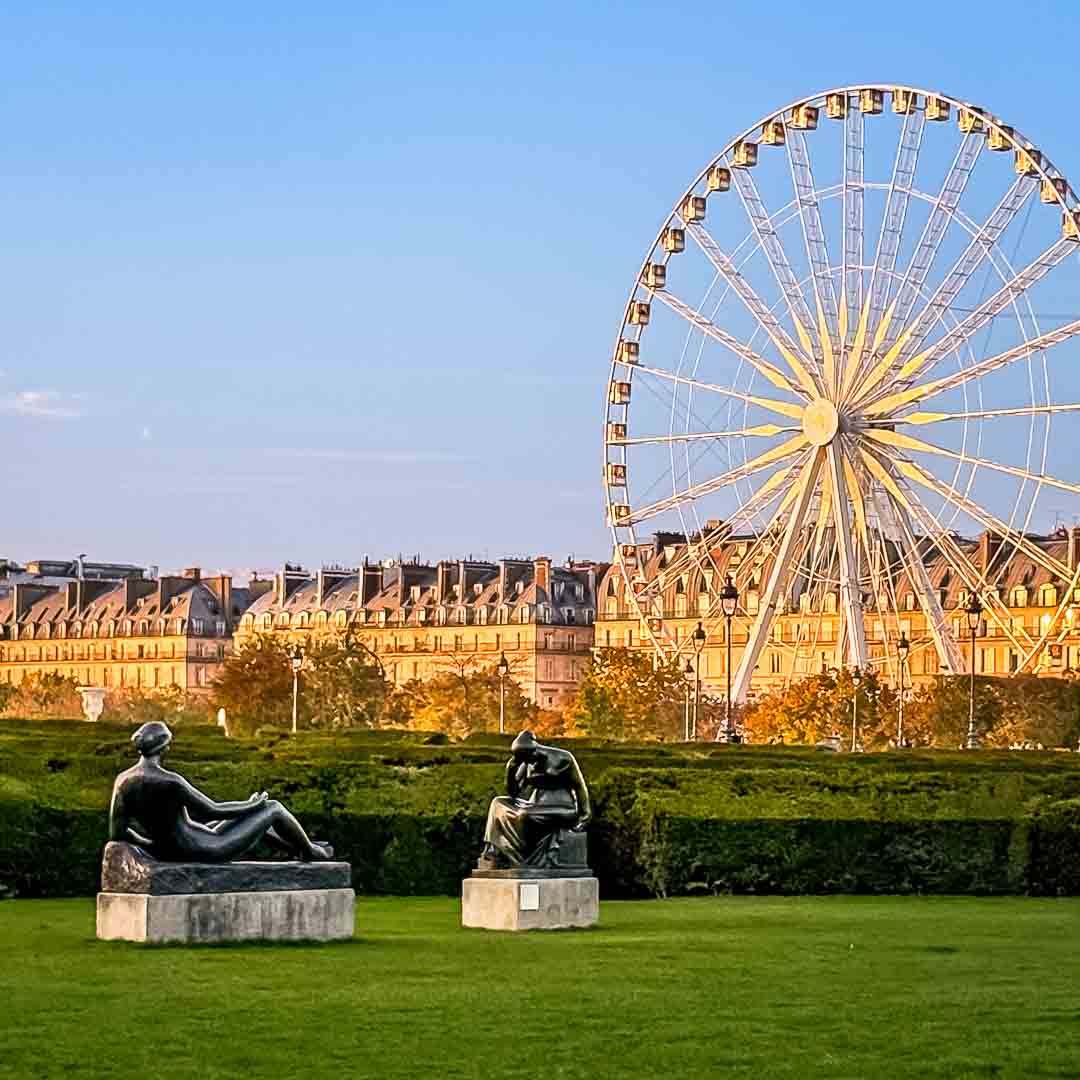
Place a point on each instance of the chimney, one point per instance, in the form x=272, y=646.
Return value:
x=167, y=587
x=1074, y=546
x=320, y=587
x=442, y=582
x=134, y=588
x=370, y=583
x=193, y=573
x=23, y=597
x=463, y=582
x=542, y=574
x=503, y=580
x=221, y=587
x=286, y=582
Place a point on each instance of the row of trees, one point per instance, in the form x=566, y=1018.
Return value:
x=623, y=695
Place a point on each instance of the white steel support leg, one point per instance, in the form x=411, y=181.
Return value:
x=778, y=577
x=948, y=651
x=850, y=595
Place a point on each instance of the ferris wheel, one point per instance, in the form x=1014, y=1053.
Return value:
x=845, y=349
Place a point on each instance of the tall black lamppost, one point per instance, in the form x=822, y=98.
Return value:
x=729, y=600
x=688, y=673
x=699, y=644
x=296, y=660
x=503, y=669
x=856, y=679
x=903, y=647
x=974, y=613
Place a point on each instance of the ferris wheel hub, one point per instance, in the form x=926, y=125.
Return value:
x=821, y=422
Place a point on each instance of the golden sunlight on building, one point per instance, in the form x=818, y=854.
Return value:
x=1029, y=605
x=421, y=621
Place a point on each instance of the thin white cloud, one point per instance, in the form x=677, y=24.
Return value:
x=370, y=457
x=44, y=403
x=146, y=434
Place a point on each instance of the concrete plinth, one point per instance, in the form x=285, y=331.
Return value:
x=541, y=903
x=291, y=915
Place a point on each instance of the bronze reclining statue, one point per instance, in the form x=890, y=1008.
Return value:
x=171, y=820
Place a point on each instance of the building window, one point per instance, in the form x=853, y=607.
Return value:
x=197, y=626
x=341, y=619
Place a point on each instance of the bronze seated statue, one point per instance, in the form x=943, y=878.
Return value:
x=170, y=819
x=539, y=824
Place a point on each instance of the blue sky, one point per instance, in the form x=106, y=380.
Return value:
x=285, y=283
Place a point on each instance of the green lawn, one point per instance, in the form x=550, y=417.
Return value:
x=759, y=987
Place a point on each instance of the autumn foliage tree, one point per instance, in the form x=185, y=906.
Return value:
x=463, y=699
x=820, y=706
x=630, y=695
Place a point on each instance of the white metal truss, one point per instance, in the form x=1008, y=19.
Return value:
x=817, y=443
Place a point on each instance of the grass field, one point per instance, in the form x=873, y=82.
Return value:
x=763, y=987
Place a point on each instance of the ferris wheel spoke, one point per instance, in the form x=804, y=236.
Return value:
x=950, y=382
x=894, y=508
x=850, y=594
x=759, y=635
x=967, y=571
x=755, y=305
x=761, y=430
x=783, y=408
x=853, y=195
x=696, y=491
x=983, y=414
x=876, y=556
x=909, y=442
x=779, y=264
x=980, y=247
x=817, y=251
x=760, y=501
x=946, y=203
x=892, y=224
x=759, y=363
x=912, y=471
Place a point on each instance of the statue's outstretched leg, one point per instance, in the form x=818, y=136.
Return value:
x=231, y=839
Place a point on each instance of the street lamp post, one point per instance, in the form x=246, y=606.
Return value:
x=856, y=679
x=903, y=647
x=699, y=644
x=974, y=613
x=688, y=673
x=729, y=600
x=503, y=670
x=296, y=659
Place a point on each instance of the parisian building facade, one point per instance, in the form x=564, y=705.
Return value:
x=461, y=616
x=120, y=626
x=115, y=626
x=1032, y=606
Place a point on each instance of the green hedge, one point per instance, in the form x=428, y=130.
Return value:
x=49, y=852
x=408, y=814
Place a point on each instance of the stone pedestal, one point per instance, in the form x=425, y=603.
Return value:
x=529, y=903
x=144, y=899
x=296, y=915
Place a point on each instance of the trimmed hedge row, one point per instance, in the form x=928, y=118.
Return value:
x=646, y=852
x=408, y=812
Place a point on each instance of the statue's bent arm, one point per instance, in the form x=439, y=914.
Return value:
x=202, y=808
x=581, y=793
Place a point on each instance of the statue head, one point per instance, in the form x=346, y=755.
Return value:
x=524, y=747
x=152, y=738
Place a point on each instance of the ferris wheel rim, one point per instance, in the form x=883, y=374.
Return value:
x=1045, y=171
